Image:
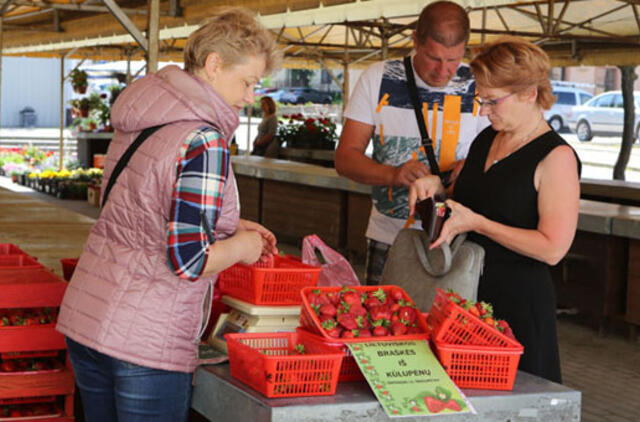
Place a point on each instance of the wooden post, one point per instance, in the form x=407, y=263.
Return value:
x=1, y=48
x=61, y=143
x=153, y=35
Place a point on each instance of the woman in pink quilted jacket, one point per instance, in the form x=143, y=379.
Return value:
x=139, y=298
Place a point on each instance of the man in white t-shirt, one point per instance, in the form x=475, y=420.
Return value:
x=380, y=111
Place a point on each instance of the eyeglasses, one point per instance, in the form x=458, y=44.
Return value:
x=492, y=103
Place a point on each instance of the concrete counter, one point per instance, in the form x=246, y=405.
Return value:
x=220, y=397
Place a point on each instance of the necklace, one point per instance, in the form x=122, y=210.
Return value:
x=520, y=142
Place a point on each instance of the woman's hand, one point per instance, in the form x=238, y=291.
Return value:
x=423, y=188
x=268, y=239
x=461, y=219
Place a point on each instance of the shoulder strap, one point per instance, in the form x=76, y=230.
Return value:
x=426, y=140
x=124, y=160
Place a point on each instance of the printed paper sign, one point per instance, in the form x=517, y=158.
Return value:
x=407, y=379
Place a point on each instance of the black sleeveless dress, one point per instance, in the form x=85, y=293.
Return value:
x=519, y=287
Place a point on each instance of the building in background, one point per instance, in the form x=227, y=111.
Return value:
x=32, y=83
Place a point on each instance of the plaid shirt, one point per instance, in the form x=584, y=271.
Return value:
x=202, y=170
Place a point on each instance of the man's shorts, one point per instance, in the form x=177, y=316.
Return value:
x=376, y=258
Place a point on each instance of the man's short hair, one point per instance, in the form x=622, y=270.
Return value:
x=444, y=22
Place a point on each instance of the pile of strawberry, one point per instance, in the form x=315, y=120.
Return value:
x=30, y=364
x=32, y=316
x=351, y=314
x=482, y=310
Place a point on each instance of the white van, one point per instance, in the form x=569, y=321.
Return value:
x=567, y=96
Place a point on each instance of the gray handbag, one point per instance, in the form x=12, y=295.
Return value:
x=419, y=271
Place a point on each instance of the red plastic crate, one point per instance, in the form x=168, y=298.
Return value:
x=18, y=261
x=490, y=368
x=11, y=249
x=310, y=322
x=349, y=371
x=31, y=288
x=276, y=284
x=68, y=267
x=267, y=362
x=452, y=324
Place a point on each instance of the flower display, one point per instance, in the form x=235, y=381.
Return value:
x=299, y=131
x=79, y=80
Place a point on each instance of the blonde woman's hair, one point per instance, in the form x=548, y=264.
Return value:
x=233, y=33
x=515, y=64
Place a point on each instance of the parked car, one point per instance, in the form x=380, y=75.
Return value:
x=301, y=95
x=602, y=115
x=566, y=98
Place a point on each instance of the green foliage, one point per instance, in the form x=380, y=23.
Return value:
x=78, y=78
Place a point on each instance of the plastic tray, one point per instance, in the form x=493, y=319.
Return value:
x=277, y=283
x=267, y=362
x=310, y=322
x=452, y=324
x=349, y=371
x=11, y=249
x=18, y=261
x=482, y=367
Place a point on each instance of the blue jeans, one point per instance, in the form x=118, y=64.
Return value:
x=116, y=391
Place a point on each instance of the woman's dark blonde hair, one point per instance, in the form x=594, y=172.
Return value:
x=514, y=64
x=233, y=33
x=271, y=105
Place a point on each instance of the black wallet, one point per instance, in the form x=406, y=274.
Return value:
x=433, y=214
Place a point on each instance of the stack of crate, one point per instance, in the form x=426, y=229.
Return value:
x=36, y=380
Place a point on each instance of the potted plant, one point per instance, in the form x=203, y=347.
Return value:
x=79, y=80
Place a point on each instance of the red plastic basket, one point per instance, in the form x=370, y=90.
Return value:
x=276, y=284
x=11, y=249
x=18, y=261
x=267, y=362
x=451, y=324
x=309, y=320
x=349, y=371
x=489, y=368
x=68, y=266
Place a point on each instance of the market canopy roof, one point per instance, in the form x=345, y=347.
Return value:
x=328, y=33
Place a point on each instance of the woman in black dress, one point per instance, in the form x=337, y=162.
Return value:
x=517, y=196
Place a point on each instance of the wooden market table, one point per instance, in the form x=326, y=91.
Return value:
x=219, y=397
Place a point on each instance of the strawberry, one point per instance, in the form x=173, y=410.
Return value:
x=434, y=405
x=328, y=309
x=414, y=330
x=509, y=333
x=365, y=332
x=407, y=313
x=334, y=298
x=351, y=298
x=380, y=312
x=394, y=307
x=348, y=321
x=502, y=325
x=396, y=294
x=335, y=332
x=490, y=321
x=398, y=328
x=358, y=310
x=380, y=295
x=370, y=302
x=474, y=311
x=453, y=405
x=350, y=333
x=363, y=322
x=324, y=318
x=314, y=297
x=380, y=331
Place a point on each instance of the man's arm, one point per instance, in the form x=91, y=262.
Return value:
x=352, y=162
